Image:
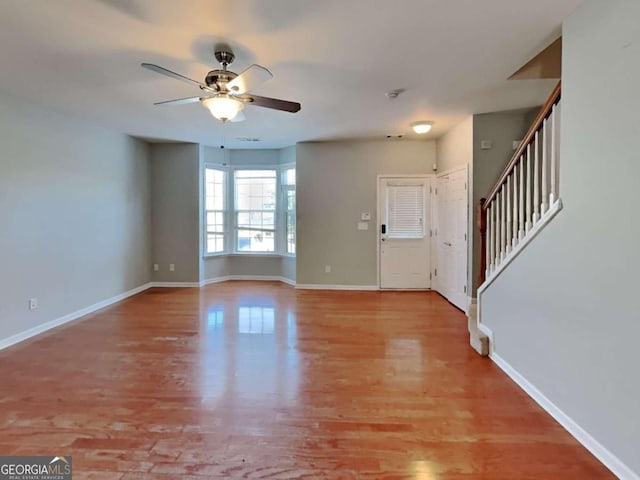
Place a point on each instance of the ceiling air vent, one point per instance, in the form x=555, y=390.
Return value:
x=248, y=139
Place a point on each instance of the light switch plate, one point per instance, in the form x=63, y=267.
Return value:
x=486, y=144
x=363, y=226
x=365, y=216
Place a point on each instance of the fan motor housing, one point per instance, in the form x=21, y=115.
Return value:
x=219, y=77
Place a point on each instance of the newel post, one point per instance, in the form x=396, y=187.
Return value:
x=482, y=226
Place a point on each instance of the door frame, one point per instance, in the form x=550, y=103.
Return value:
x=430, y=177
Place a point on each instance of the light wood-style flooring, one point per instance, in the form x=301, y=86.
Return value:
x=259, y=380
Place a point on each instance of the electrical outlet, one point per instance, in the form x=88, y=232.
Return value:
x=33, y=303
x=156, y=267
x=327, y=269
x=172, y=267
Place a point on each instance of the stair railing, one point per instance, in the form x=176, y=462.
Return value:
x=526, y=193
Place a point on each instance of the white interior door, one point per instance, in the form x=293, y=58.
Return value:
x=405, y=256
x=451, y=237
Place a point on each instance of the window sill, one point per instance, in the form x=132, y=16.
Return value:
x=248, y=254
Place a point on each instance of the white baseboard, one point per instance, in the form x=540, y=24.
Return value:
x=259, y=278
x=175, y=284
x=20, y=337
x=209, y=281
x=612, y=462
x=311, y=286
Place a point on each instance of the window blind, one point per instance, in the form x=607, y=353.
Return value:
x=405, y=214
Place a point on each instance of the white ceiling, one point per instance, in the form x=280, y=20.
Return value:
x=336, y=57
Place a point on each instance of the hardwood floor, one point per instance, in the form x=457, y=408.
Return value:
x=258, y=380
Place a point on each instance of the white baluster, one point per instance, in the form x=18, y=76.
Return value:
x=503, y=225
x=544, y=193
x=509, y=226
x=496, y=260
x=487, y=242
x=514, y=233
x=528, y=170
x=554, y=173
x=521, y=191
x=536, y=181
x=492, y=237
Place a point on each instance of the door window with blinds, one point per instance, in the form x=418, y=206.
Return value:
x=405, y=211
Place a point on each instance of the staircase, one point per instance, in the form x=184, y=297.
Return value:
x=526, y=196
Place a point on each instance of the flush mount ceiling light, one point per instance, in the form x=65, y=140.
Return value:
x=223, y=107
x=423, y=126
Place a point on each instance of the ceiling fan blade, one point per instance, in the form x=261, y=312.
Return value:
x=239, y=117
x=249, y=79
x=180, y=101
x=177, y=76
x=274, y=103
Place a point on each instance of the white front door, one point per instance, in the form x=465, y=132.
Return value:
x=405, y=257
x=451, y=237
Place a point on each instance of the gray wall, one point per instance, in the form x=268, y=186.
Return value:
x=336, y=181
x=288, y=268
x=74, y=214
x=502, y=128
x=565, y=313
x=288, y=155
x=455, y=149
x=175, y=215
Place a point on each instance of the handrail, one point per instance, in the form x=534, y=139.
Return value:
x=545, y=111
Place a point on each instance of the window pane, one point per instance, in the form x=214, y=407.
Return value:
x=255, y=241
x=291, y=232
x=256, y=220
x=289, y=177
x=255, y=174
x=291, y=199
x=214, y=189
x=215, y=222
x=215, y=243
x=255, y=189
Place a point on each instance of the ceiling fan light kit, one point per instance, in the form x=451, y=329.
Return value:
x=224, y=93
x=422, y=126
x=223, y=107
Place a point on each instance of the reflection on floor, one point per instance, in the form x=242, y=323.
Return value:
x=259, y=380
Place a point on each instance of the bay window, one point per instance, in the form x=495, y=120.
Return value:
x=246, y=214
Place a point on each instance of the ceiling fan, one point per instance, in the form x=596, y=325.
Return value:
x=224, y=92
